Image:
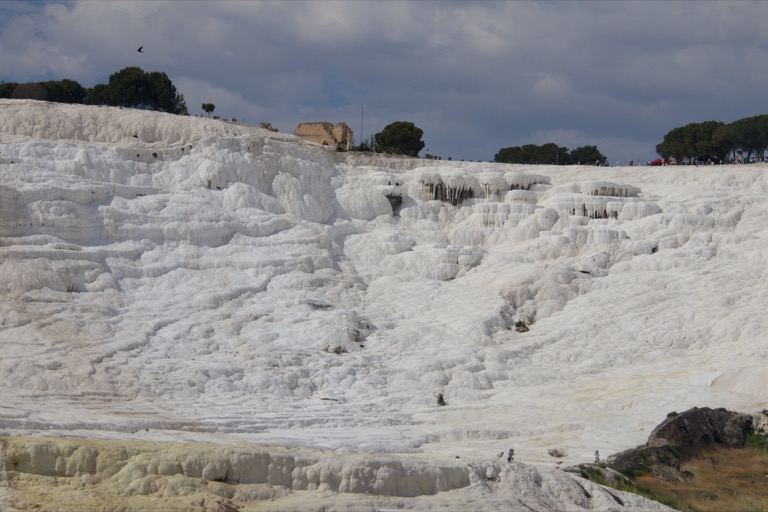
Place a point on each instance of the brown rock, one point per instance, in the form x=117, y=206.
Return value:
x=698, y=428
x=681, y=437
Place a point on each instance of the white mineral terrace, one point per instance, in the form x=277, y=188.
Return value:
x=217, y=303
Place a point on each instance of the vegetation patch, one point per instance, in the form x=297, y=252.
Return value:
x=602, y=475
x=757, y=440
x=719, y=480
x=716, y=479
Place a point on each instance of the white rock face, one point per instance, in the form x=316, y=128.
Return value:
x=169, y=278
x=122, y=475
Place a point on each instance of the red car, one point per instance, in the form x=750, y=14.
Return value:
x=659, y=161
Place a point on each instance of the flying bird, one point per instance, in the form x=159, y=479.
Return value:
x=141, y=49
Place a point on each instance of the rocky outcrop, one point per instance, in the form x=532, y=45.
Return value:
x=699, y=428
x=683, y=436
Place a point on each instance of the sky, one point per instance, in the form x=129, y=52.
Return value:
x=474, y=76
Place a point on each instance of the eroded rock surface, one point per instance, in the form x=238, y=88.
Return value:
x=85, y=475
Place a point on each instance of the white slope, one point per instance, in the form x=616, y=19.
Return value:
x=177, y=278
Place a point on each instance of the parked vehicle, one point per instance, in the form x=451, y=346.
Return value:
x=660, y=161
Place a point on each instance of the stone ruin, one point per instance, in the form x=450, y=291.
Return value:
x=268, y=126
x=325, y=133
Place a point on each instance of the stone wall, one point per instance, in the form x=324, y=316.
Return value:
x=326, y=133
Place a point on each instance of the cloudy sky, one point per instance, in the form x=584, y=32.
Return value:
x=475, y=76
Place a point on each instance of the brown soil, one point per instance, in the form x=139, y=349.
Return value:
x=718, y=480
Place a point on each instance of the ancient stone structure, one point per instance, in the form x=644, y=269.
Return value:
x=325, y=133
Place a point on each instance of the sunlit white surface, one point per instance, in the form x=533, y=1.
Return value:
x=178, y=278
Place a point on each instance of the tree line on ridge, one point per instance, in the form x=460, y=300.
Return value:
x=550, y=154
x=130, y=87
x=717, y=142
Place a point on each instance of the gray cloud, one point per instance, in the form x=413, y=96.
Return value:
x=475, y=76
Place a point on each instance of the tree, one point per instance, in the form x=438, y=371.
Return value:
x=98, y=95
x=512, y=155
x=751, y=134
x=674, y=144
x=163, y=95
x=401, y=138
x=6, y=89
x=208, y=108
x=64, y=91
x=724, y=143
x=129, y=88
x=29, y=91
x=132, y=87
x=529, y=154
x=549, y=154
x=704, y=140
x=710, y=140
x=587, y=155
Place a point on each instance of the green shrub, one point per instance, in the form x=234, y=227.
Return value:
x=757, y=439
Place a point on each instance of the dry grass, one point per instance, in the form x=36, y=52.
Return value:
x=719, y=480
